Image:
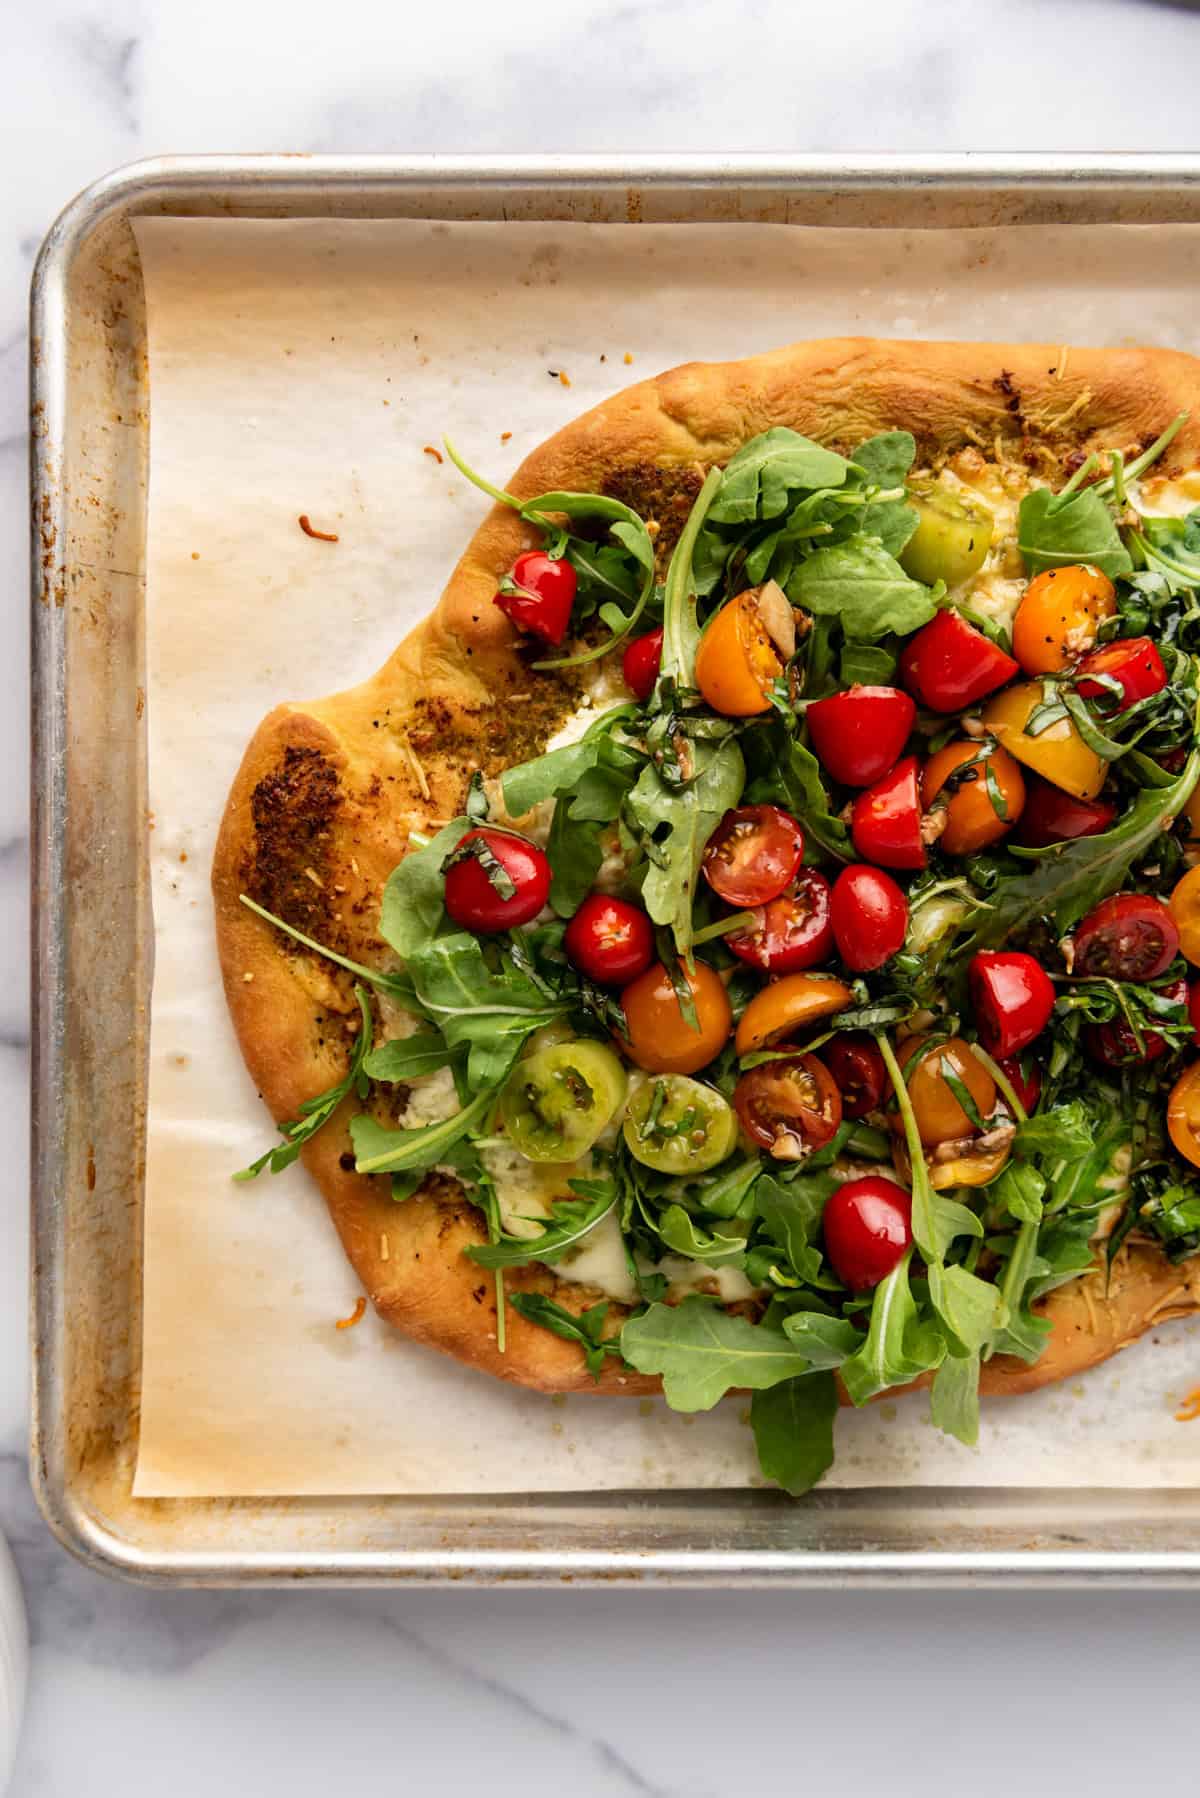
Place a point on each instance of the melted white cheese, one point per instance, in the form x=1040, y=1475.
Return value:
x=525, y=1190
x=431, y=1098
x=996, y=590
x=600, y=1261
x=1168, y=499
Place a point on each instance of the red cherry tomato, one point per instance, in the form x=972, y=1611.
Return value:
x=870, y=917
x=640, y=664
x=1012, y=996
x=886, y=820
x=1027, y=1086
x=1115, y=1044
x=1133, y=662
x=502, y=881
x=949, y=664
x=790, y=932
x=789, y=1107
x=859, y=1072
x=753, y=854
x=1130, y=937
x=867, y=1225
x=1052, y=816
x=1194, y=1008
x=545, y=593
x=860, y=734
x=609, y=940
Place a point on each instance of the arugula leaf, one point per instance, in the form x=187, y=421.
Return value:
x=758, y=480
x=558, y=771
x=1168, y=1207
x=1057, y=530
x=575, y=854
x=892, y=522
x=490, y=1009
x=790, y=775
x=676, y=823
x=413, y=897
x=681, y=625
x=314, y=1113
x=702, y=1351
x=570, y=1221
x=681, y=1233
x=899, y=1348
x=824, y=1341
x=1019, y=1191
x=886, y=458
x=954, y=1400
x=858, y=582
x=793, y=1430
x=378, y=1150
x=1062, y=1130
x=791, y=1216
x=397, y=986
x=408, y=1057
x=585, y=1328
x=867, y=665
x=971, y=1309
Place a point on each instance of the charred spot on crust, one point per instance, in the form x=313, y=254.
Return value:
x=293, y=809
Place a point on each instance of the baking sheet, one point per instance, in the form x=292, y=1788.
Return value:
x=302, y=367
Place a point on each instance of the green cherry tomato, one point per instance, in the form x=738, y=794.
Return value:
x=952, y=540
x=678, y=1125
x=559, y=1100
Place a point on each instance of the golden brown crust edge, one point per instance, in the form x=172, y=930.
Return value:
x=332, y=788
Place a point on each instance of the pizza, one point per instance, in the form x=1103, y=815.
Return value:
x=740, y=940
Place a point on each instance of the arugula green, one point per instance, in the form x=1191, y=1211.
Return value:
x=864, y=587
x=378, y=1150
x=793, y=1430
x=586, y=1328
x=413, y=904
x=824, y=1341
x=316, y=1112
x=899, y=1346
x=675, y=824
x=569, y=1222
x=954, y=1398
x=702, y=1351
x=758, y=480
x=1058, y=530
x=681, y=626
x=408, y=1057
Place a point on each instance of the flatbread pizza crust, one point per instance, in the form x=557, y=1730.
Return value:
x=329, y=790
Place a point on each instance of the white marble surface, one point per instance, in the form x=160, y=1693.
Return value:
x=599, y=1693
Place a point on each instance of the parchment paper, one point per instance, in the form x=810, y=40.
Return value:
x=301, y=367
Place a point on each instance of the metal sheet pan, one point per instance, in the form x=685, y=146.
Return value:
x=93, y=938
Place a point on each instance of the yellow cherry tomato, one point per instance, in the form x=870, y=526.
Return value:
x=1184, y=907
x=660, y=1038
x=1191, y=811
x=940, y=1117
x=739, y=659
x=1183, y=1114
x=788, y=1005
x=1059, y=615
x=1058, y=753
x=973, y=818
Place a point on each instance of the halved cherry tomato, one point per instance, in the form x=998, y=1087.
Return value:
x=980, y=789
x=940, y=1117
x=859, y=734
x=1027, y=1086
x=949, y=664
x=1183, y=1114
x=791, y=932
x=1191, y=814
x=789, y=1108
x=609, y=940
x=858, y=1069
x=1116, y=1046
x=1194, y=1008
x=640, y=664
x=753, y=854
x=788, y=1005
x=660, y=1038
x=1058, y=618
x=1012, y=996
x=885, y=822
x=1052, y=816
x=870, y=917
x=543, y=592
x=867, y=1226
x=1130, y=937
x=1133, y=662
x=743, y=650
x=1185, y=914
x=1058, y=752
x=495, y=880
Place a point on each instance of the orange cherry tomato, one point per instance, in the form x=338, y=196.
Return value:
x=787, y=1005
x=789, y=1108
x=979, y=810
x=660, y=1038
x=1183, y=1114
x=1058, y=753
x=1191, y=811
x=940, y=1117
x=1184, y=907
x=1059, y=615
x=739, y=660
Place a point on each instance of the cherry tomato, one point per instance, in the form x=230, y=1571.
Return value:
x=1116, y=1046
x=1058, y=752
x=885, y=822
x=791, y=932
x=499, y=881
x=1191, y=815
x=1059, y=615
x=1130, y=937
x=787, y=1005
x=940, y=1117
x=545, y=592
x=1052, y=816
x=1194, y=1008
x=860, y=734
x=870, y=917
x=1133, y=662
x=789, y=1108
x=753, y=854
x=949, y=664
x=867, y=1226
x=1027, y=1086
x=1183, y=1114
x=858, y=1069
x=743, y=649
x=640, y=664
x=609, y=940
x=982, y=796
x=1185, y=913
x=660, y=1038
x=1012, y=996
